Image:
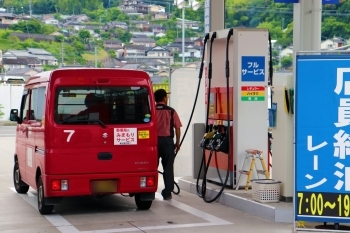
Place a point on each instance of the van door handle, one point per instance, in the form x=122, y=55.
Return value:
x=104, y=156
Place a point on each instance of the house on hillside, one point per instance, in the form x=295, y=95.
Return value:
x=13, y=63
x=192, y=52
x=147, y=42
x=140, y=24
x=194, y=25
x=23, y=72
x=156, y=28
x=112, y=44
x=49, y=19
x=198, y=42
x=135, y=8
x=160, y=15
x=45, y=58
x=188, y=41
x=7, y=18
x=158, y=51
x=174, y=47
x=137, y=34
x=134, y=50
x=288, y=51
x=116, y=24
x=335, y=42
x=77, y=18
x=156, y=9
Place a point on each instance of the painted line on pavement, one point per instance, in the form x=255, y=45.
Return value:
x=65, y=227
x=55, y=219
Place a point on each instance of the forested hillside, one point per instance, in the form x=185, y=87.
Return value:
x=246, y=13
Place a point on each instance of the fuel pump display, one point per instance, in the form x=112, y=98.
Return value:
x=236, y=122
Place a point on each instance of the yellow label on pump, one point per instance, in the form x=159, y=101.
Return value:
x=143, y=134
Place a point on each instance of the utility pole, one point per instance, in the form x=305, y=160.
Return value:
x=183, y=37
x=62, y=54
x=95, y=57
x=30, y=8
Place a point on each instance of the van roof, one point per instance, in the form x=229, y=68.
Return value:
x=46, y=75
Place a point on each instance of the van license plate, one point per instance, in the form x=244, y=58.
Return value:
x=104, y=186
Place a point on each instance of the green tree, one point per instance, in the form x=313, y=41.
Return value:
x=31, y=26
x=84, y=35
x=80, y=48
x=332, y=27
x=59, y=38
x=286, y=61
x=112, y=53
x=274, y=28
x=43, y=6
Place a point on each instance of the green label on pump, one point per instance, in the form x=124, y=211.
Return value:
x=252, y=98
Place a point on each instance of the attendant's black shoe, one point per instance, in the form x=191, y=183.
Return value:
x=168, y=198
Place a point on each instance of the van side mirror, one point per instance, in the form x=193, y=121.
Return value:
x=14, y=115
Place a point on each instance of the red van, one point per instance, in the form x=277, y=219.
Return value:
x=87, y=132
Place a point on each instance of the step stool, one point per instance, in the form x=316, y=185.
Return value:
x=254, y=154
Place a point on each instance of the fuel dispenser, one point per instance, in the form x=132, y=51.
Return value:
x=236, y=99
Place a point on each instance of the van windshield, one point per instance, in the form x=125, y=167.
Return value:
x=102, y=105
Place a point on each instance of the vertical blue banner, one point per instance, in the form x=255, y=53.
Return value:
x=322, y=138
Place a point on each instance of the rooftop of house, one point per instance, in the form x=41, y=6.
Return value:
x=116, y=41
x=21, y=61
x=20, y=71
x=143, y=40
x=139, y=47
x=7, y=15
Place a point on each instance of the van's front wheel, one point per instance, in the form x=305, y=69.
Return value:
x=142, y=205
x=20, y=186
x=43, y=209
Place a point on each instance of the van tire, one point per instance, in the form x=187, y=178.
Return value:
x=142, y=205
x=43, y=209
x=17, y=181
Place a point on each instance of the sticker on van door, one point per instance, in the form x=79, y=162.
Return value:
x=125, y=136
x=30, y=157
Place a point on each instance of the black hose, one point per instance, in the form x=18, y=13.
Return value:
x=206, y=38
x=227, y=135
x=270, y=63
x=203, y=163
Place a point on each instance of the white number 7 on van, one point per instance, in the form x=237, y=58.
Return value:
x=71, y=132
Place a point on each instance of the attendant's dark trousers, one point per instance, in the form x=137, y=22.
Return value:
x=166, y=151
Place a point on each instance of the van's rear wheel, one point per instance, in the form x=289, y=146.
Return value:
x=20, y=186
x=142, y=205
x=43, y=209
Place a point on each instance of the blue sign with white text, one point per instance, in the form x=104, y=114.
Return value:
x=253, y=69
x=322, y=138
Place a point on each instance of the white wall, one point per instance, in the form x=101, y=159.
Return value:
x=184, y=84
x=10, y=98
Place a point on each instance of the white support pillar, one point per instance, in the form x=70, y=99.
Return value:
x=307, y=25
x=306, y=37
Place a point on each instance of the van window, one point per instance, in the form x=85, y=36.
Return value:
x=34, y=103
x=41, y=103
x=24, y=115
x=108, y=104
